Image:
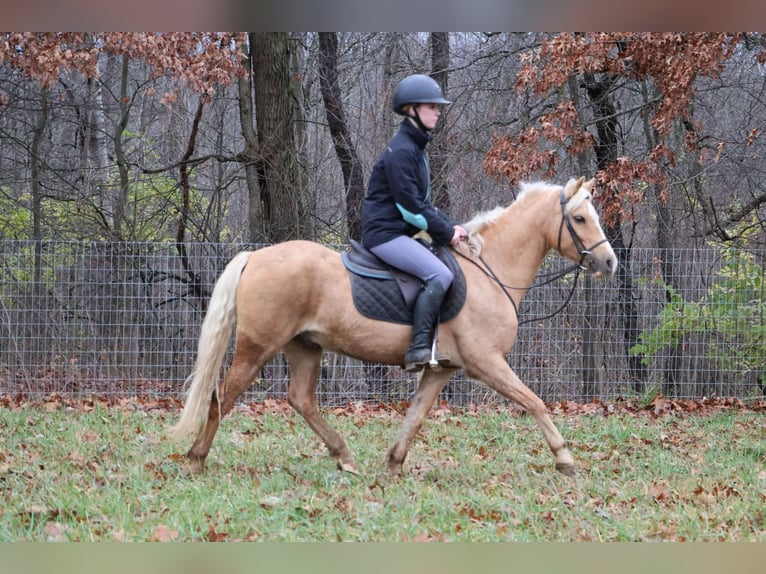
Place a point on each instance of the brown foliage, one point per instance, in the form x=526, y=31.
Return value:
x=672, y=62
x=201, y=60
x=658, y=407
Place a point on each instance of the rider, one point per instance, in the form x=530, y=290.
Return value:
x=397, y=206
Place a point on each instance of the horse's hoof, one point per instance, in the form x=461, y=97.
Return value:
x=349, y=467
x=195, y=466
x=566, y=468
x=394, y=470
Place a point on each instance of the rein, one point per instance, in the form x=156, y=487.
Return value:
x=554, y=275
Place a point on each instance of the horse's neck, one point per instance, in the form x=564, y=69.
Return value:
x=515, y=246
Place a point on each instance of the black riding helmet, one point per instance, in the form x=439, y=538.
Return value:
x=416, y=89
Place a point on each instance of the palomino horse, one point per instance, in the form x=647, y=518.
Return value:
x=296, y=297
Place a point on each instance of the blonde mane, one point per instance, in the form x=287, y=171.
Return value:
x=484, y=219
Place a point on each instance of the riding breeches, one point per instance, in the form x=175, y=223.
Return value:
x=414, y=258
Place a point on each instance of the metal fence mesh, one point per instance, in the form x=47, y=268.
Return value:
x=124, y=318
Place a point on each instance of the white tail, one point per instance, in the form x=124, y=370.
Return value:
x=211, y=349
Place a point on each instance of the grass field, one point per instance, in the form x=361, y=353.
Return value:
x=88, y=471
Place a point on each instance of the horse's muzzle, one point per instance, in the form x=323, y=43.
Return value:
x=602, y=266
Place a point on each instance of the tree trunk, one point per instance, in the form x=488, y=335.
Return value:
x=283, y=200
x=94, y=149
x=98, y=139
x=300, y=121
x=351, y=167
x=590, y=373
x=193, y=278
x=391, y=73
x=664, y=242
x=213, y=223
x=440, y=61
x=118, y=200
x=604, y=111
x=36, y=187
x=250, y=154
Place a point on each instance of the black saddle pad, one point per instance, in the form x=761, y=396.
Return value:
x=378, y=295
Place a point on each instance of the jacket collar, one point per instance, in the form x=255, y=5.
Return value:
x=420, y=137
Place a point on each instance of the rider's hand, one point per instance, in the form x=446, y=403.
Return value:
x=460, y=235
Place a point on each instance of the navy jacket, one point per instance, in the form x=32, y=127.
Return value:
x=397, y=201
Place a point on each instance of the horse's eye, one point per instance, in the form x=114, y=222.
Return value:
x=579, y=219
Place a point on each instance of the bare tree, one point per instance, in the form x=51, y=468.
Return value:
x=250, y=155
x=351, y=167
x=35, y=157
x=438, y=154
x=284, y=202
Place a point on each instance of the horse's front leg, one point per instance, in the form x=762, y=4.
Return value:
x=500, y=377
x=431, y=383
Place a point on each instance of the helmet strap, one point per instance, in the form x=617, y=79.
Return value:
x=416, y=116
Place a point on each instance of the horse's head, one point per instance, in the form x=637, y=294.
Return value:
x=581, y=237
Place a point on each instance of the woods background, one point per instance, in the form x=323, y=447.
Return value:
x=132, y=165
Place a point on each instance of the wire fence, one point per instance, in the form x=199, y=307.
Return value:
x=122, y=319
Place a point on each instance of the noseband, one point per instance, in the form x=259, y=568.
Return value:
x=584, y=251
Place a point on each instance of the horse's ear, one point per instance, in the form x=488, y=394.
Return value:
x=574, y=187
x=589, y=184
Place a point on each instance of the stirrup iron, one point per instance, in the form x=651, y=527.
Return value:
x=433, y=363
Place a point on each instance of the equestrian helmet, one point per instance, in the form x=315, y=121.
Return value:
x=417, y=89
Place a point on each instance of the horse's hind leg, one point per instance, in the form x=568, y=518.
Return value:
x=499, y=376
x=248, y=360
x=305, y=362
x=431, y=383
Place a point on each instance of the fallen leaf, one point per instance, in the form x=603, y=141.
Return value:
x=705, y=498
x=163, y=534
x=660, y=490
x=270, y=501
x=213, y=536
x=119, y=536
x=88, y=435
x=427, y=537
x=55, y=532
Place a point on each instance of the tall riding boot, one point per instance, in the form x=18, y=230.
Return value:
x=424, y=317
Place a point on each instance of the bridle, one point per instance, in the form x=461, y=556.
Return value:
x=549, y=277
x=584, y=251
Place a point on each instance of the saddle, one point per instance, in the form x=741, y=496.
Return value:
x=388, y=294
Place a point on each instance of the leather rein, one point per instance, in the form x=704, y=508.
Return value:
x=549, y=277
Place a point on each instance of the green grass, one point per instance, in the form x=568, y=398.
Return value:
x=104, y=474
